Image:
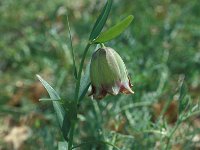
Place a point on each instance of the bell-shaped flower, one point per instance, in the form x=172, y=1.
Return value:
x=108, y=74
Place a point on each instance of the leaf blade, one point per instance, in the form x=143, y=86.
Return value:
x=72, y=49
x=52, y=93
x=101, y=20
x=61, y=114
x=85, y=82
x=114, y=31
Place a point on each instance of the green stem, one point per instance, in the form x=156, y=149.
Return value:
x=79, y=73
x=71, y=135
x=113, y=141
x=98, y=142
x=76, y=96
x=171, y=134
x=177, y=125
x=72, y=50
x=102, y=45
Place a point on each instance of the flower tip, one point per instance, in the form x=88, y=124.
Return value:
x=132, y=92
x=126, y=88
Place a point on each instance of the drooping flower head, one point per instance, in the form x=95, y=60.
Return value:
x=108, y=74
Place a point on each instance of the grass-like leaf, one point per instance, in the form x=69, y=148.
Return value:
x=84, y=92
x=48, y=99
x=63, y=119
x=183, y=99
x=101, y=20
x=114, y=31
x=72, y=49
x=52, y=93
x=85, y=83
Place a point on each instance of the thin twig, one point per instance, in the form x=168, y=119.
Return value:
x=100, y=142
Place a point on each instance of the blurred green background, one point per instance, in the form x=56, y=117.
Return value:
x=161, y=50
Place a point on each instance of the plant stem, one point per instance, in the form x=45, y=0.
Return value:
x=76, y=96
x=71, y=135
x=72, y=50
x=102, y=45
x=79, y=72
x=177, y=125
x=172, y=133
x=98, y=142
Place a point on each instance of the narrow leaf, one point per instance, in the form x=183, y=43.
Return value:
x=183, y=99
x=101, y=20
x=48, y=99
x=114, y=31
x=84, y=91
x=72, y=49
x=85, y=83
x=52, y=93
x=66, y=125
x=63, y=120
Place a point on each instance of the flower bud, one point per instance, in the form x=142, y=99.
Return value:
x=108, y=74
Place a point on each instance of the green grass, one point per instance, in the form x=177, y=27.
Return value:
x=161, y=52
